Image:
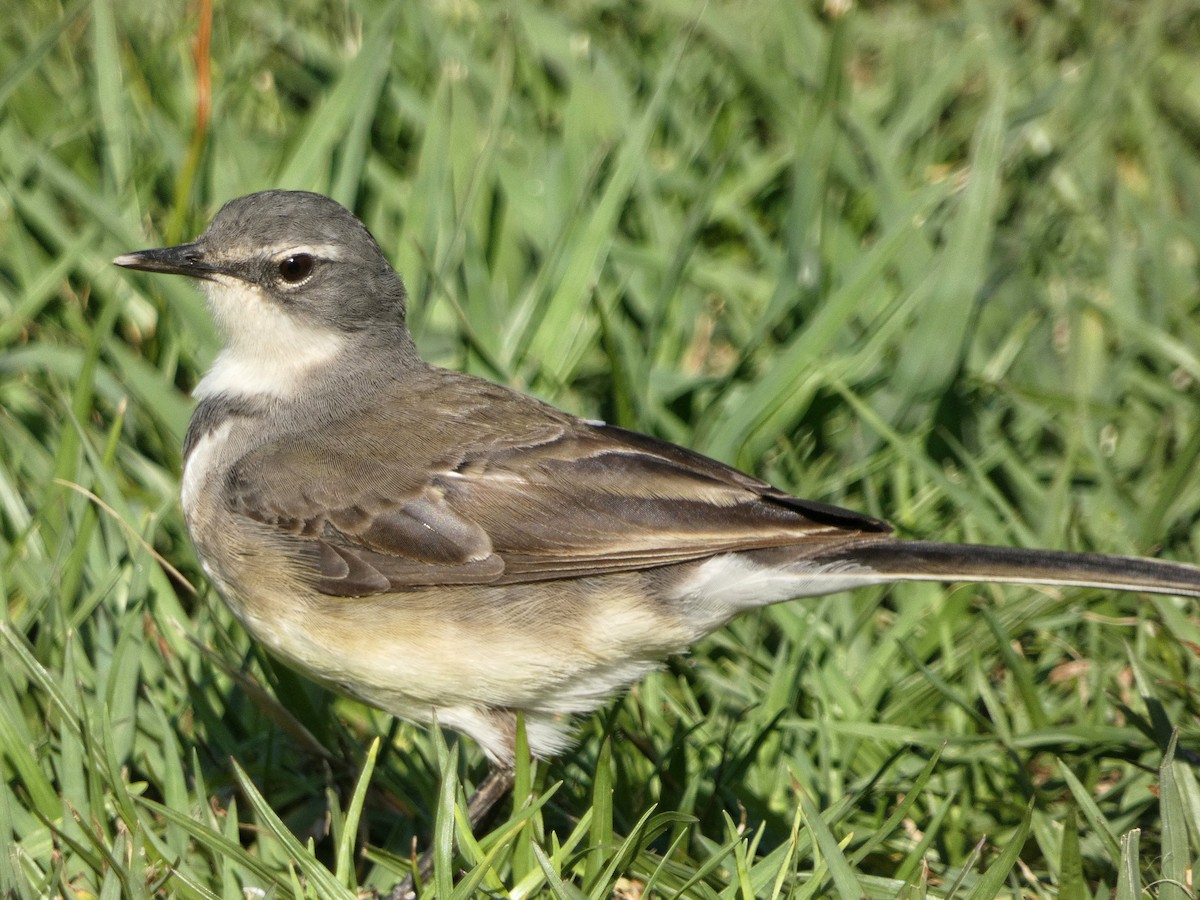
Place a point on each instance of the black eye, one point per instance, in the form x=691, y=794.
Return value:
x=294, y=269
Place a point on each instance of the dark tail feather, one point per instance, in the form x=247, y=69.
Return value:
x=927, y=561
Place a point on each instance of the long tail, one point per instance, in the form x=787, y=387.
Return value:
x=927, y=561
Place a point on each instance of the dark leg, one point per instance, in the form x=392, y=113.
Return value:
x=479, y=809
x=492, y=790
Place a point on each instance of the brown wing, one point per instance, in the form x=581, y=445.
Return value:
x=506, y=490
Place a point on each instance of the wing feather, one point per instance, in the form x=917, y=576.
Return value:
x=505, y=490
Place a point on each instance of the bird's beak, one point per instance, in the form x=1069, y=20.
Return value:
x=186, y=259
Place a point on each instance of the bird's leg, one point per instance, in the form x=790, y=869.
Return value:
x=480, y=806
x=495, y=786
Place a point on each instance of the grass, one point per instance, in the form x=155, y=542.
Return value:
x=937, y=262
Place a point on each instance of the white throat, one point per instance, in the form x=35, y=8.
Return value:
x=268, y=353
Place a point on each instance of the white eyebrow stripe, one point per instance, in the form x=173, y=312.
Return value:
x=280, y=250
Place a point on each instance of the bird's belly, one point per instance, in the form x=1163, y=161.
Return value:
x=472, y=655
x=559, y=647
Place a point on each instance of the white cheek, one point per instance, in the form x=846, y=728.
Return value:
x=268, y=352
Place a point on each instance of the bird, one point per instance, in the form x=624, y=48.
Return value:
x=452, y=550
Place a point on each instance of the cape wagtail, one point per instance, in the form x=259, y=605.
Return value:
x=435, y=544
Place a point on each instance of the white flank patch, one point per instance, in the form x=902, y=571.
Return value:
x=728, y=584
x=269, y=353
x=198, y=466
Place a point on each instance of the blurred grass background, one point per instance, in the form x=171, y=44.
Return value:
x=934, y=261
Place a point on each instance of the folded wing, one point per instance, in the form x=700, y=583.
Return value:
x=528, y=494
